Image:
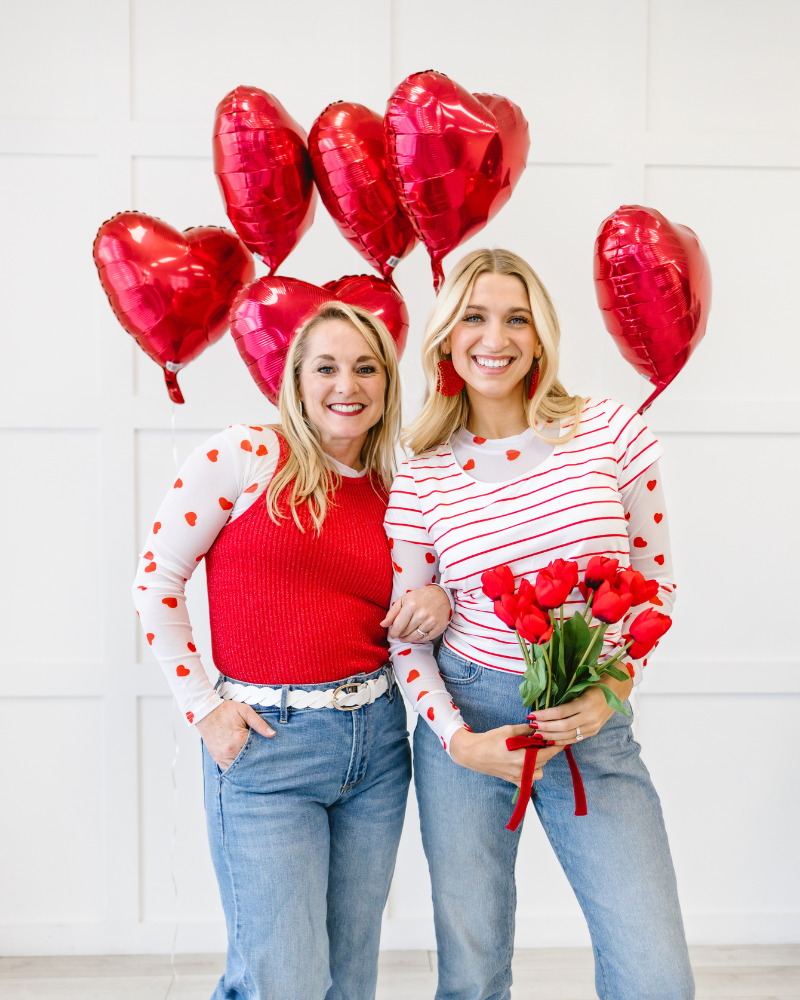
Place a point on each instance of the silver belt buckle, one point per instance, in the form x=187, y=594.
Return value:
x=353, y=686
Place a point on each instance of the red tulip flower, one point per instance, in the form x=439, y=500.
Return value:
x=506, y=609
x=646, y=629
x=555, y=582
x=635, y=584
x=497, y=581
x=534, y=626
x=599, y=570
x=610, y=604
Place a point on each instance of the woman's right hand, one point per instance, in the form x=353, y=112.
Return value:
x=488, y=754
x=225, y=730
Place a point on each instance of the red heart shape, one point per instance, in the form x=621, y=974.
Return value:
x=430, y=557
x=653, y=286
x=269, y=312
x=156, y=527
x=264, y=173
x=150, y=637
x=225, y=504
x=213, y=454
x=658, y=518
x=639, y=542
x=349, y=160
x=659, y=560
x=454, y=157
x=182, y=671
x=651, y=484
x=190, y=716
x=412, y=676
x=191, y=647
x=191, y=518
x=171, y=602
x=422, y=694
x=430, y=713
x=170, y=290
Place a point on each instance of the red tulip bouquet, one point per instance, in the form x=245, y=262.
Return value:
x=562, y=655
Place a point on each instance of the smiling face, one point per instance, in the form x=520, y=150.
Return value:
x=494, y=342
x=342, y=387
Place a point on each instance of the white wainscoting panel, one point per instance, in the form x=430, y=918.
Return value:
x=707, y=66
x=48, y=300
x=188, y=856
x=51, y=600
x=51, y=824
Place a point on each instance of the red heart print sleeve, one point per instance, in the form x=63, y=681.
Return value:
x=415, y=564
x=648, y=531
x=216, y=484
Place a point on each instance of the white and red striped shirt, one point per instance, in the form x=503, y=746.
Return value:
x=570, y=506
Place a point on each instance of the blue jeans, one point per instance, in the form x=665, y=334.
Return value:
x=616, y=858
x=303, y=829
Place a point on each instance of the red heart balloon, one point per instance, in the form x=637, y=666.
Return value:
x=455, y=158
x=377, y=297
x=653, y=286
x=269, y=312
x=170, y=290
x=264, y=173
x=349, y=160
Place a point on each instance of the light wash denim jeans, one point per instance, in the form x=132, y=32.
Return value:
x=304, y=829
x=616, y=858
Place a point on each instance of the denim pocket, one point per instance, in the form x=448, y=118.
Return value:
x=457, y=669
x=238, y=758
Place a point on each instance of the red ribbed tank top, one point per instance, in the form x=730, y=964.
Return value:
x=293, y=607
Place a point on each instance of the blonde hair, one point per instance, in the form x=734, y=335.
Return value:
x=443, y=416
x=308, y=469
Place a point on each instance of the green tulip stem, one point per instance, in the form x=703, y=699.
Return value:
x=599, y=631
x=587, y=610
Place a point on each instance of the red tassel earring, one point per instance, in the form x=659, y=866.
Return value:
x=534, y=383
x=449, y=382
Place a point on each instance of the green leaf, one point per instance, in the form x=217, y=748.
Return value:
x=612, y=700
x=516, y=796
x=574, y=691
x=576, y=640
x=615, y=672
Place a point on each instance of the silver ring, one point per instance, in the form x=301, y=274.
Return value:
x=578, y=733
x=423, y=634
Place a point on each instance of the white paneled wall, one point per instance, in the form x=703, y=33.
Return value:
x=691, y=106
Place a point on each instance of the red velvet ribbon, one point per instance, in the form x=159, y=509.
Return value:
x=532, y=745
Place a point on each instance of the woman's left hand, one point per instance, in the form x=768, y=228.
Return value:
x=584, y=716
x=419, y=616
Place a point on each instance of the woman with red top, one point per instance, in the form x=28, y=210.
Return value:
x=508, y=468
x=305, y=748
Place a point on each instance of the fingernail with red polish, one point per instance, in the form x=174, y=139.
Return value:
x=550, y=743
x=531, y=715
x=532, y=724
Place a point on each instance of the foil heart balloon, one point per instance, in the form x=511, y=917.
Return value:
x=349, y=160
x=653, y=286
x=269, y=312
x=170, y=290
x=455, y=158
x=264, y=173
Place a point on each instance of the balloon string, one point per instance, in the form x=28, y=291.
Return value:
x=175, y=978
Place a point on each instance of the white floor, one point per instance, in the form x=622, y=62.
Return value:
x=763, y=972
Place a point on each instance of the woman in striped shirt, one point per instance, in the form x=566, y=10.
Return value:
x=509, y=468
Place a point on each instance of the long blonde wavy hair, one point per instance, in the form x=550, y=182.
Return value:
x=443, y=416
x=308, y=469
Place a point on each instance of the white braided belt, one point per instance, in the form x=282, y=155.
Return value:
x=345, y=697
